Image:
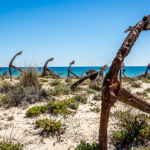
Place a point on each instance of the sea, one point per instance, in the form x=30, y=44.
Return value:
x=130, y=71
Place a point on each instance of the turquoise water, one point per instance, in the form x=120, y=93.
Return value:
x=130, y=71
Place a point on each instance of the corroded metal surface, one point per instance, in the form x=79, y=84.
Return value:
x=89, y=75
x=102, y=70
x=93, y=77
x=111, y=88
x=45, y=67
x=11, y=64
x=70, y=71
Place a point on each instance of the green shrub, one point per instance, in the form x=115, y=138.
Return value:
x=45, y=92
x=134, y=128
x=5, y=99
x=148, y=90
x=55, y=82
x=50, y=126
x=44, y=80
x=87, y=146
x=61, y=90
x=10, y=146
x=29, y=77
x=95, y=85
x=91, y=91
x=36, y=110
x=97, y=97
x=136, y=84
x=80, y=98
x=96, y=109
x=5, y=87
x=52, y=107
x=144, y=94
x=71, y=103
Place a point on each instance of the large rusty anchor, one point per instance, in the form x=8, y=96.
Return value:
x=111, y=87
x=91, y=74
x=46, y=69
x=148, y=67
x=70, y=71
x=11, y=64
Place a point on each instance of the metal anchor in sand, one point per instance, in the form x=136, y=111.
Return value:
x=70, y=71
x=11, y=64
x=111, y=87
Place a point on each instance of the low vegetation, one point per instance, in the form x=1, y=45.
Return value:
x=61, y=90
x=50, y=127
x=52, y=107
x=96, y=85
x=142, y=94
x=96, y=109
x=87, y=146
x=55, y=82
x=136, y=85
x=97, y=97
x=44, y=80
x=9, y=145
x=134, y=128
x=81, y=98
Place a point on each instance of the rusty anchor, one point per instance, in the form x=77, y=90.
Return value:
x=11, y=64
x=111, y=87
x=70, y=71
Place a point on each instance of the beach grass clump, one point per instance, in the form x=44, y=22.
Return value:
x=52, y=107
x=9, y=145
x=91, y=91
x=6, y=87
x=68, y=80
x=97, y=96
x=22, y=96
x=143, y=94
x=96, y=109
x=134, y=128
x=45, y=92
x=44, y=80
x=148, y=90
x=50, y=127
x=72, y=103
x=29, y=78
x=55, y=83
x=5, y=99
x=61, y=90
x=80, y=98
x=95, y=85
x=86, y=146
x=136, y=85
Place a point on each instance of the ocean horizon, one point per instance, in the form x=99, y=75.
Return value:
x=131, y=71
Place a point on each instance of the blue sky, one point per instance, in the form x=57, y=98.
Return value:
x=87, y=31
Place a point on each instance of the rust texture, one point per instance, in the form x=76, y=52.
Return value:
x=70, y=71
x=45, y=67
x=11, y=64
x=148, y=67
x=102, y=70
x=93, y=77
x=111, y=88
x=90, y=75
